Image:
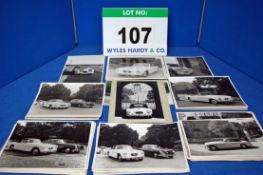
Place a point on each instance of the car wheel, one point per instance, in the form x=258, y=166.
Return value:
x=50, y=106
x=189, y=99
x=243, y=146
x=213, y=148
x=170, y=157
x=213, y=101
x=67, y=150
x=146, y=73
x=35, y=151
x=119, y=158
x=155, y=155
x=11, y=147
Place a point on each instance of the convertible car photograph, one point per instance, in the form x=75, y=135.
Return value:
x=125, y=152
x=139, y=110
x=210, y=98
x=203, y=92
x=55, y=104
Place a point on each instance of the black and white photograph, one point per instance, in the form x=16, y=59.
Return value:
x=135, y=68
x=187, y=66
x=68, y=100
x=206, y=93
x=139, y=101
x=48, y=147
x=107, y=92
x=228, y=138
x=213, y=115
x=83, y=68
x=139, y=148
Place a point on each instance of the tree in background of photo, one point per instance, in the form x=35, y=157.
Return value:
x=74, y=131
x=119, y=134
x=58, y=91
x=89, y=92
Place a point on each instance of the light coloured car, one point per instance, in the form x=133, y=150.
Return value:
x=125, y=152
x=139, y=110
x=55, y=104
x=229, y=143
x=207, y=97
x=33, y=146
x=87, y=70
x=137, y=69
x=179, y=70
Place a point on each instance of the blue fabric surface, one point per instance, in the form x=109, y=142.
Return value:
x=17, y=97
x=183, y=24
x=233, y=30
x=32, y=33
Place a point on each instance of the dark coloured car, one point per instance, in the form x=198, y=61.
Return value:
x=156, y=151
x=64, y=146
x=81, y=103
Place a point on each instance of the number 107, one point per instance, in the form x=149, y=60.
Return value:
x=134, y=34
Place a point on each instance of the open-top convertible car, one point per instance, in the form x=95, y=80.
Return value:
x=55, y=104
x=64, y=146
x=230, y=143
x=137, y=69
x=86, y=70
x=125, y=152
x=179, y=70
x=139, y=110
x=81, y=103
x=156, y=151
x=33, y=146
x=209, y=98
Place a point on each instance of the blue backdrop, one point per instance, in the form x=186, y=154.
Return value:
x=32, y=33
x=184, y=19
x=233, y=31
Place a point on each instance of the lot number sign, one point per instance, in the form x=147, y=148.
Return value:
x=135, y=31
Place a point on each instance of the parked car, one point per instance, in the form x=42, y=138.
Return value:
x=55, y=104
x=229, y=143
x=179, y=70
x=156, y=151
x=33, y=146
x=125, y=152
x=64, y=146
x=87, y=70
x=139, y=110
x=81, y=103
x=137, y=69
x=209, y=98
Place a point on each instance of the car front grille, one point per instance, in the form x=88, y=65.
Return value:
x=139, y=112
x=134, y=154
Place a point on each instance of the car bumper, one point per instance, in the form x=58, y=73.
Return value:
x=133, y=157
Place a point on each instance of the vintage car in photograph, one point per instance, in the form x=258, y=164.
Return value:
x=137, y=69
x=81, y=70
x=55, y=104
x=33, y=146
x=139, y=110
x=156, y=151
x=64, y=146
x=81, y=103
x=209, y=98
x=125, y=152
x=179, y=70
x=230, y=143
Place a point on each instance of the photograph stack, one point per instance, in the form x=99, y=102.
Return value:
x=142, y=95
x=48, y=147
x=139, y=148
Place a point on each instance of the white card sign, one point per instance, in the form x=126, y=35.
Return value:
x=135, y=31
